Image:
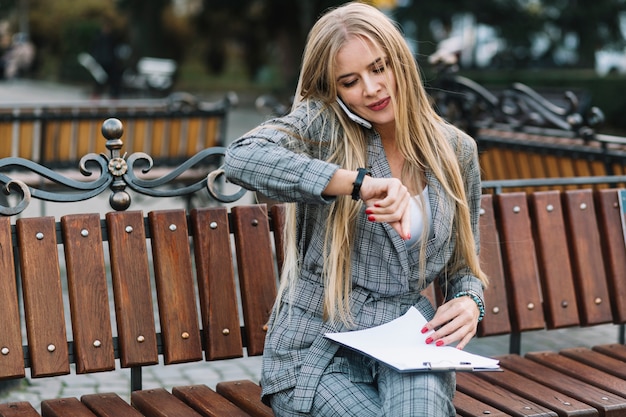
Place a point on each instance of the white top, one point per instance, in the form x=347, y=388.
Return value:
x=417, y=218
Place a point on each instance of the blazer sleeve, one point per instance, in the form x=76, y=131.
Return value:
x=284, y=158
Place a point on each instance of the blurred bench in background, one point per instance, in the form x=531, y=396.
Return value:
x=170, y=130
x=524, y=134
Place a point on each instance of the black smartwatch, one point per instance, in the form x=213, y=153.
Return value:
x=356, y=185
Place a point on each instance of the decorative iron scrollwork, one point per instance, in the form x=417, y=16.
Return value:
x=24, y=180
x=470, y=106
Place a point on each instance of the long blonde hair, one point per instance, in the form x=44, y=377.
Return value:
x=419, y=137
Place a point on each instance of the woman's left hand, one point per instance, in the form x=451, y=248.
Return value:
x=454, y=321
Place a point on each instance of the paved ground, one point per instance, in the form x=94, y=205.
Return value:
x=209, y=373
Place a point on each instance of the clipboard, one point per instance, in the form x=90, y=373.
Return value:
x=401, y=345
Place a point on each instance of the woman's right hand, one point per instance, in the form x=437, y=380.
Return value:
x=387, y=201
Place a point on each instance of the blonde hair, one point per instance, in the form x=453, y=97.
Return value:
x=419, y=138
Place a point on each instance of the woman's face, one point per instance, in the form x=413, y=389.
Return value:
x=363, y=79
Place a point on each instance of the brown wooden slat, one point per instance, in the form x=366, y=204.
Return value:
x=212, y=132
x=140, y=143
x=158, y=140
x=257, y=273
x=26, y=139
x=194, y=129
x=43, y=299
x=132, y=292
x=597, y=360
x=176, y=295
x=581, y=371
x=160, y=403
x=216, y=283
x=586, y=249
x=559, y=294
x=176, y=145
x=551, y=163
x=64, y=407
x=246, y=395
x=207, y=402
x=499, y=397
x=88, y=293
x=520, y=261
x=11, y=360
x=608, y=403
x=109, y=405
x=497, y=320
x=613, y=249
x=562, y=404
x=6, y=139
x=18, y=409
x=467, y=406
x=614, y=350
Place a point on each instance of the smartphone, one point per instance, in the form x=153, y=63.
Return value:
x=354, y=117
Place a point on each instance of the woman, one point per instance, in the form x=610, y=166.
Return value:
x=361, y=248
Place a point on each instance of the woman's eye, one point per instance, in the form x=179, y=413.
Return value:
x=378, y=70
x=349, y=83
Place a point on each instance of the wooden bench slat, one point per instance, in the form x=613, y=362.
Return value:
x=216, y=283
x=613, y=249
x=43, y=296
x=562, y=404
x=468, y=406
x=207, y=402
x=497, y=319
x=160, y=403
x=586, y=250
x=109, y=405
x=607, y=402
x=597, y=360
x=18, y=409
x=583, y=372
x=520, y=261
x=64, y=407
x=26, y=148
x=614, y=350
x=88, y=293
x=194, y=131
x=11, y=362
x=499, y=397
x=130, y=275
x=176, y=295
x=257, y=273
x=559, y=294
x=246, y=395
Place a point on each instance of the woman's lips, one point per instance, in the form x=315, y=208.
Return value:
x=379, y=105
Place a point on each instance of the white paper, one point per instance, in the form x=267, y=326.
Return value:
x=401, y=344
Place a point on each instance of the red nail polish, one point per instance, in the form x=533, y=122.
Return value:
x=439, y=343
x=408, y=237
x=376, y=205
x=371, y=218
x=368, y=211
x=429, y=340
x=424, y=329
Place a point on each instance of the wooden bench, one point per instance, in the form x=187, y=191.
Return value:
x=165, y=282
x=80, y=276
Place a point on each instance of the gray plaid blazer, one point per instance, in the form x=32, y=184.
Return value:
x=384, y=270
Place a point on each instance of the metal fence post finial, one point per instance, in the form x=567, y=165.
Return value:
x=112, y=130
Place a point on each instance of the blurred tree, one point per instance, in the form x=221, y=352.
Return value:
x=260, y=29
x=521, y=22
